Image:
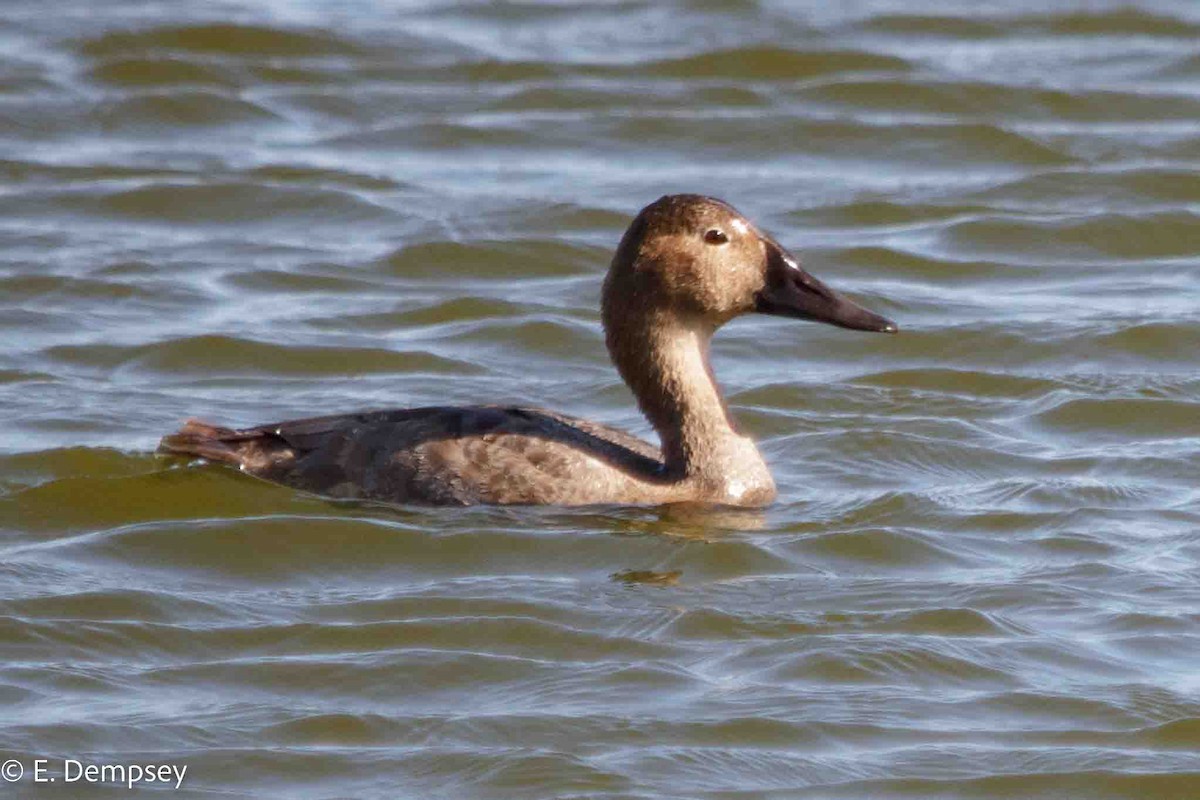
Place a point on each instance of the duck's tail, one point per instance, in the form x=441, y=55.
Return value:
x=198, y=438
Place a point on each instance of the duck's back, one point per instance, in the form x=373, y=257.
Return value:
x=441, y=455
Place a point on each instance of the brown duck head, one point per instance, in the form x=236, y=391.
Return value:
x=697, y=259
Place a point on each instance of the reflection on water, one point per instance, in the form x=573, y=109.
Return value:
x=980, y=579
x=648, y=577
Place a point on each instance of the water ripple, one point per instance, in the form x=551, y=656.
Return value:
x=979, y=579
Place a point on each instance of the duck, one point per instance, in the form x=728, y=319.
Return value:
x=686, y=265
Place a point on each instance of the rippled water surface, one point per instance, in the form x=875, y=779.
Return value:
x=981, y=579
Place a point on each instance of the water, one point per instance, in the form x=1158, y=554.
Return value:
x=982, y=577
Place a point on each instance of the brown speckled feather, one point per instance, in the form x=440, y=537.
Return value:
x=439, y=455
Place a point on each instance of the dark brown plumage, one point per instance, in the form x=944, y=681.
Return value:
x=686, y=265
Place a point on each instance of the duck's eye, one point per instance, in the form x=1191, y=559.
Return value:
x=715, y=236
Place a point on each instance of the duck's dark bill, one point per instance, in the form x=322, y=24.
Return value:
x=792, y=292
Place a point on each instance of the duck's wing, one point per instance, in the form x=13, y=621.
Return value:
x=443, y=455
x=606, y=433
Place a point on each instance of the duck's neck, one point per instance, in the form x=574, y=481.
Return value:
x=665, y=362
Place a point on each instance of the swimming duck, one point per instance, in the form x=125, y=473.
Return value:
x=687, y=265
